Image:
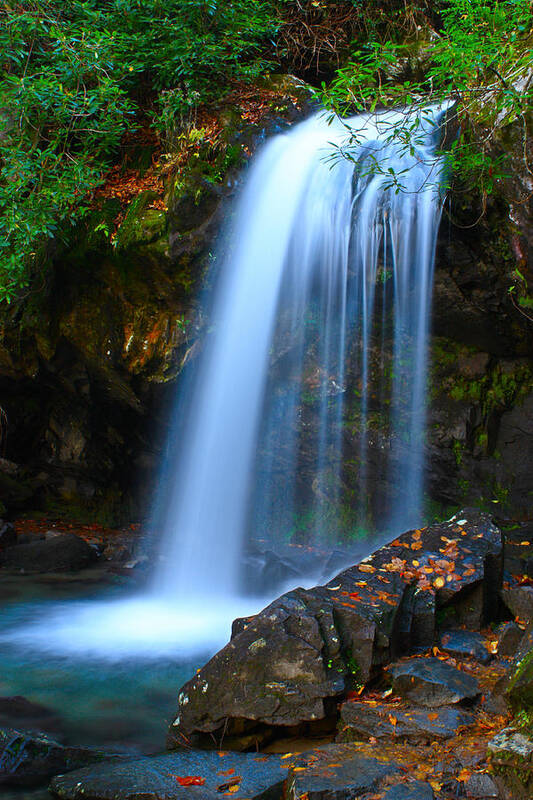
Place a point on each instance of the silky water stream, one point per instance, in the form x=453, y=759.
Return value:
x=323, y=247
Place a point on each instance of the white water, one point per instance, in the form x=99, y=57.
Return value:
x=295, y=310
x=309, y=238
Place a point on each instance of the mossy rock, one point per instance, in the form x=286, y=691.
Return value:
x=511, y=761
x=142, y=225
x=520, y=689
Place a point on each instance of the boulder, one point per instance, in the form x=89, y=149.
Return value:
x=290, y=664
x=432, y=683
x=519, y=601
x=519, y=688
x=63, y=553
x=29, y=759
x=509, y=638
x=364, y=720
x=8, y=537
x=189, y=775
x=481, y=785
x=20, y=713
x=465, y=644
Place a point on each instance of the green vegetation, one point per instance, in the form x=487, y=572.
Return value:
x=75, y=77
x=474, y=53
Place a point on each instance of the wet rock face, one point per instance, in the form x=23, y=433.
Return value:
x=291, y=663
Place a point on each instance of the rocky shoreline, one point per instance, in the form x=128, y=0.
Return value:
x=406, y=676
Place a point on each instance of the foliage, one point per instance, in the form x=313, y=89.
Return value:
x=62, y=110
x=472, y=53
x=75, y=76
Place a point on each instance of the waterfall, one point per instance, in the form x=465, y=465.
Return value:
x=321, y=308
x=308, y=396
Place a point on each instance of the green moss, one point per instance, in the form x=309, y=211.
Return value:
x=457, y=448
x=520, y=690
x=142, y=225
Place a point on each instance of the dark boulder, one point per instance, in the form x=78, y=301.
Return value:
x=509, y=637
x=20, y=713
x=432, y=683
x=29, y=759
x=519, y=601
x=465, y=644
x=8, y=537
x=482, y=786
x=61, y=553
x=290, y=664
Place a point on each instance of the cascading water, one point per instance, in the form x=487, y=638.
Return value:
x=323, y=299
x=314, y=240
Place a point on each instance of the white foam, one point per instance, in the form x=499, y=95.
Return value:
x=137, y=627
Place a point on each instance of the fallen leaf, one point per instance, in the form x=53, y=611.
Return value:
x=189, y=780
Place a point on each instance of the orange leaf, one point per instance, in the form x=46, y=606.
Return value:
x=189, y=780
x=366, y=568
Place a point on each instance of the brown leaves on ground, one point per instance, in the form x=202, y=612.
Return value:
x=437, y=763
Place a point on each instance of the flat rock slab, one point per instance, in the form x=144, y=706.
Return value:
x=465, y=643
x=432, y=683
x=158, y=778
x=417, y=790
x=292, y=662
x=327, y=780
x=360, y=720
